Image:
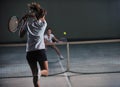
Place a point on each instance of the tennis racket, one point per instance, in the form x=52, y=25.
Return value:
x=14, y=22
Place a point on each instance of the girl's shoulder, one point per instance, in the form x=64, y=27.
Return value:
x=52, y=35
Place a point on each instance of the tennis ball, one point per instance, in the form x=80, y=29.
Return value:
x=64, y=33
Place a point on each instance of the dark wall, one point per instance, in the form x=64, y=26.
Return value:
x=81, y=19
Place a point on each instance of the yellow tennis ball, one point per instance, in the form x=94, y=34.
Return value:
x=64, y=33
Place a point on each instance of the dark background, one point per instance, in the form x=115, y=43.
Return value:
x=81, y=19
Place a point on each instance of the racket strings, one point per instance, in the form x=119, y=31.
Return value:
x=13, y=23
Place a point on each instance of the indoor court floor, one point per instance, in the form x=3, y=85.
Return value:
x=89, y=65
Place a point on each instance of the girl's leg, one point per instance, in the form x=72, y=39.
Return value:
x=43, y=63
x=56, y=49
x=44, y=68
x=33, y=66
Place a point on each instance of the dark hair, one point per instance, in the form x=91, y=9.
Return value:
x=40, y=13
x=33, y=7
x=49, y=28
x=36, y=9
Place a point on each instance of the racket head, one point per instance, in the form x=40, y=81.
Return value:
x=13, y=23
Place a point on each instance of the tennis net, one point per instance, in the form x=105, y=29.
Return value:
x=83, y=57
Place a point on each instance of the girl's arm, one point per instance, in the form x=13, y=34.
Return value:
x=22, y=30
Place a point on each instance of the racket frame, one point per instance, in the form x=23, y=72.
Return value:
x=9, y=24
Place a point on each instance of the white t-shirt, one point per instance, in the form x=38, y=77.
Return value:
x=35, y=35
x=49, y=38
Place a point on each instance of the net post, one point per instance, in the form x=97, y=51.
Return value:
x=68, y=57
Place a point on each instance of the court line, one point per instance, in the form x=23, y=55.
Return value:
x=65, y=74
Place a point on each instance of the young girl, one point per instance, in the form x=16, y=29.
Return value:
x=50, y=39
x=35, y=27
